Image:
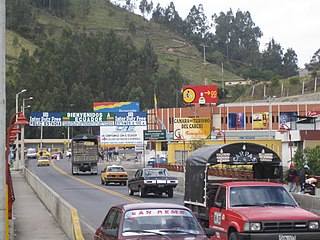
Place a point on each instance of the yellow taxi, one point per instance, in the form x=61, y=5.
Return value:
x=43, y=161
x=114, y=174
x=43, y=153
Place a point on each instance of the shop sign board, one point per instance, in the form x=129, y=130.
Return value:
x=154, y=135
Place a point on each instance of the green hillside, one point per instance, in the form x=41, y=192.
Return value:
x=170, y=47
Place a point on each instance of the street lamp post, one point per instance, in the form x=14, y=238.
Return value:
x=23, y=107
x=283, y=129
x=16, y=163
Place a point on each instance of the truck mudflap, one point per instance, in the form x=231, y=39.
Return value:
x=94, y=169
x=280, y=236
x=75, y=169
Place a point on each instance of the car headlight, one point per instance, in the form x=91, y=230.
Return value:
x=313, y=225
x=252, y=226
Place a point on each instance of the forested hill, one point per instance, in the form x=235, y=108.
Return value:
x=75, y=52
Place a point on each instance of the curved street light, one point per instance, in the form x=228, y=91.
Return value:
x=12, y=132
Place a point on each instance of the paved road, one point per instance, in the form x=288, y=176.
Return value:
x=85, y=192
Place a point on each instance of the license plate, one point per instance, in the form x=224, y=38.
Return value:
x=287, y=237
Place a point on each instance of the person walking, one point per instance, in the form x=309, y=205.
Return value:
x=292, y=178
x=302, y=176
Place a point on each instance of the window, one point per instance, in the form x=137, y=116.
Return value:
x=221, y=198
x=115, y=224
x=109, y=219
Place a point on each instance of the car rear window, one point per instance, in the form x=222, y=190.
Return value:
x=159, y=219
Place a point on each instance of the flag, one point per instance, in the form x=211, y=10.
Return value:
x=155, y=106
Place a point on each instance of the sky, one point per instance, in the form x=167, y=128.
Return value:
x=292, y=23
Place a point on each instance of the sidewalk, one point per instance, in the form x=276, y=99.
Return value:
x=32, y=220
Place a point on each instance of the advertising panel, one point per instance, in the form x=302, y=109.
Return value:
x=236, y=120
x=130, y=119
x=260, y=120
x=203, y=94
x=87, y=119
x=154, y=135
x=116, y=107
x=286, y=117
x=118, y=135
x=191, y=128
x=46, y=119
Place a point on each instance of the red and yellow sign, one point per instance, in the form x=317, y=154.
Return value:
x=203, y=94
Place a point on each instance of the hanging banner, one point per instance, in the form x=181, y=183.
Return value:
x=130, y=118
x=85, y=119
x=45, y=119
x=260, y=120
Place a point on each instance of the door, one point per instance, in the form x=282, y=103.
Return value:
x=217, y=216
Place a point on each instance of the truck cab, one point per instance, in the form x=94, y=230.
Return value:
x=245, y=209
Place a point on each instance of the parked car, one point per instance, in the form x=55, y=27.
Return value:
x=114, y=174
x=151, y=221
x=31, y=153
x=152, y=180
x=43, y=161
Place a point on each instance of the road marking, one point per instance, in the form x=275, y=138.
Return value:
x=95, y=186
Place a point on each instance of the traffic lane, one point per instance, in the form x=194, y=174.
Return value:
x=91, y=203
x=65, y=165
x=86, y=193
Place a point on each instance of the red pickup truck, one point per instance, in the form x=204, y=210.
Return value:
x=245, y=210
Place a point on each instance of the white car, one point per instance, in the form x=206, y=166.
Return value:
x=31, y=153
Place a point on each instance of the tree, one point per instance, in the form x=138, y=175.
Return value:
x=272, y=57
x=143, y=7
x=290, y=66
x=197, y=22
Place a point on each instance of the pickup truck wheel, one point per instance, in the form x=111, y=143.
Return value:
x=142, y=192
x=131, y=192
x=170, y=192
x=233, y=236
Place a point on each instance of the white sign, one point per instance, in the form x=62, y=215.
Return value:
x=117, y=135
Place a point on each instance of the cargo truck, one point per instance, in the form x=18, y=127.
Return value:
x=84, y=154
x=239, y=209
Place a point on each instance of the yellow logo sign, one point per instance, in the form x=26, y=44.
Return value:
x=189, y=95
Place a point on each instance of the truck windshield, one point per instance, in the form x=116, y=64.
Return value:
x=260, y=196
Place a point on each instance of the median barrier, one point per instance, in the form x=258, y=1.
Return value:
x=65, y=215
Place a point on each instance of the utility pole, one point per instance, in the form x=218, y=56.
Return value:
x=204, y=54
x=3, y=230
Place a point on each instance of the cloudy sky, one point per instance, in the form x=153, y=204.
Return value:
x=292, y=23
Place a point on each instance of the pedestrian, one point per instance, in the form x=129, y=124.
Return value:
x=302, y=176
x=292, y=178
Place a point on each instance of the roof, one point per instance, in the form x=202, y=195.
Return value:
x=251, y=183
x=265, y=103
x=88, y=137
x=134, y=206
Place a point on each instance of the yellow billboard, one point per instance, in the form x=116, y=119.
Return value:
x=260, y=120
x=191, y=128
